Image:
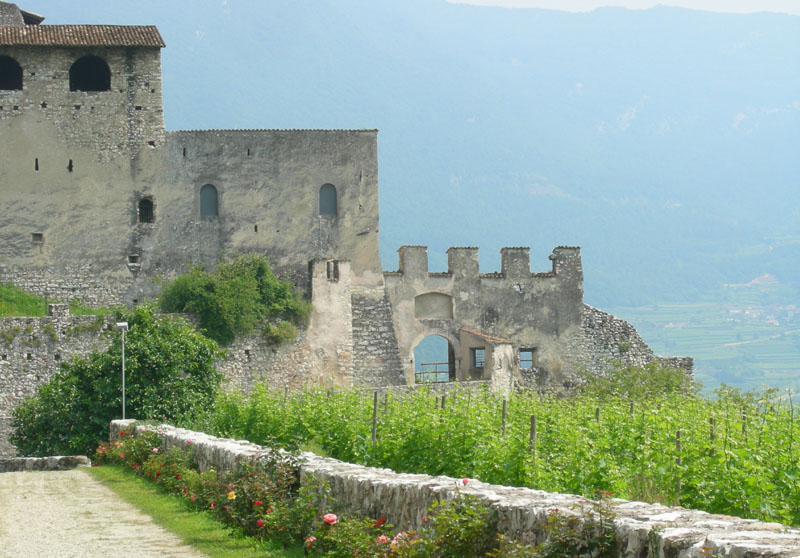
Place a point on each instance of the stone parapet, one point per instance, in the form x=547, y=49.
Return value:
x=642, y=529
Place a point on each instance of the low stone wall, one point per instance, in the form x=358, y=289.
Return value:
x=54, y=463
x=643, y=530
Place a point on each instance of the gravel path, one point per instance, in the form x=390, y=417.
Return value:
x=62, y=514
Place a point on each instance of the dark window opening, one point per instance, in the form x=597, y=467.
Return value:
x=327, y=200
x=133, y=258
x=136, y=301
x=248, y=151
x=37, y=237
x=247, y=353
x=5, y=357
x=90, y=73
x=333, y=271
x=56, y=357
x=70, y=167
x=151, y=143
x=36, y=164
x=28, y=356
x=146, y=211
x=44, y=105
x=10, y=74
x=526, y=358
x=255, y=228
x=478, y=357
x=208, y=201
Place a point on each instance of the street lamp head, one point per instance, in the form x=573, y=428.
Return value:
x=122, y=326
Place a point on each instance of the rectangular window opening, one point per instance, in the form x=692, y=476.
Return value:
x=28, y=356
x=332, y=271
x=527, y=358
x=70, y=166
x=478, y=357
x=37, y=237
x=133, y=258
x=56, y=357
x=36, y=164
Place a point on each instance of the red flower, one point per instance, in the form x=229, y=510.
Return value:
x=282, y=527
x=178, y=477
x=193, y=497
x=122, y=433
x=213, y=505
x=158, y=473
x=260, y=523
x=257, y=503
x=465, y=481
x=381, y=521
x=122, y=456
x=424, y=519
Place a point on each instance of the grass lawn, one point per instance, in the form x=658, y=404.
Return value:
x=195, y=528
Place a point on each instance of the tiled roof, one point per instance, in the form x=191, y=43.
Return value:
x=489, y=338
x=82, y=35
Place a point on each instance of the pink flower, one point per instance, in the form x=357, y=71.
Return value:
x=193, y=497
x=155, y=450
x=122, y=456
x=464, y=481
x=424, y=519
x=330, y=519
x=213, y=505
x=310, y=540
x=190, y=441
x=260, y=522
x=383, y=539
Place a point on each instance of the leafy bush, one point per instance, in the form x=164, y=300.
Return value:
x=16, y=302
x=637, y=382
x=170, y=375
x=240, y=297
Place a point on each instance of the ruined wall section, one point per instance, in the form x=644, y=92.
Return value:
x=31, y=351
x=534, y=310
x=605, y=342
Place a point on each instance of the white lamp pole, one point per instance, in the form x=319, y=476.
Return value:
x=123, y=327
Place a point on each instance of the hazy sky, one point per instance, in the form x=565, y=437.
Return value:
x=738, y=6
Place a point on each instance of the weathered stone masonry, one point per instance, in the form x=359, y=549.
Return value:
x=642, y=530
x=31, y=351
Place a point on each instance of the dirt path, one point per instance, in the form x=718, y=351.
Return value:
x=63, y=514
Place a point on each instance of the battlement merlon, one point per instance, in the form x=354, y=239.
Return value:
x=464, y=263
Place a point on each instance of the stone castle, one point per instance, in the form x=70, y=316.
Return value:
x=100, y=203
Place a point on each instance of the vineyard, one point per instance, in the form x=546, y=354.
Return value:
x=735, y=454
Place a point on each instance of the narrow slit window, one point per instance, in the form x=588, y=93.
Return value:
x=146, y=211
x=209, y=202
x=327, y=200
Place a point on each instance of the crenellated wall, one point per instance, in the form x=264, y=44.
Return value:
x=537, y=311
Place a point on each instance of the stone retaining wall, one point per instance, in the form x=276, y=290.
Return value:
x=54, y=463
x=643, y=530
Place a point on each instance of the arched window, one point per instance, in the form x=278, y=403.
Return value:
x=327, y=200
x=208, y=201
x=146, y=211
x=89, y=73
x=10, y=74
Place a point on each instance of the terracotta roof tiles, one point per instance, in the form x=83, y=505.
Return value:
x=81, y=35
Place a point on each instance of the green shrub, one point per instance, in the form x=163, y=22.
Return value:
x=242, y=296
x=170, y=376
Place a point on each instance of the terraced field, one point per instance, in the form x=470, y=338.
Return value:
x=748, y=341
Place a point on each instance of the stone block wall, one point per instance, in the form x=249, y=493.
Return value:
x=642, y=530
x=376, y=358
x=31, y=351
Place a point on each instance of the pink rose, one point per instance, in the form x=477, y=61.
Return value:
x=330, y=519
x=383, y=539
x=155, y=450
x=464, y=481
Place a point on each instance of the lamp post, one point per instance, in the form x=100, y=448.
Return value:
x=123, y=327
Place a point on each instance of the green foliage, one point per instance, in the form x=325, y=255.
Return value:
x=240, y=297
x=640, y=382
x=16, y=302
x=170, y=375
x=739, y=452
